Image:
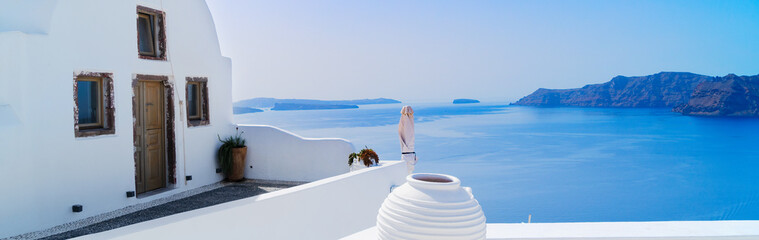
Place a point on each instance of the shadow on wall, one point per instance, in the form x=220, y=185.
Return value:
x=7, y=116
x=27, y=16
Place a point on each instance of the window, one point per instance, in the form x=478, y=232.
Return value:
x=197, y=101
x=89, y=99
x=146, y=33
x=151, y=36
x=93, y=104
x=193, y=101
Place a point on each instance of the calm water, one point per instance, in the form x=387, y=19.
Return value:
x=565, y=164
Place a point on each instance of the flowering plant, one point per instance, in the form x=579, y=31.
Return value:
x=366, y=156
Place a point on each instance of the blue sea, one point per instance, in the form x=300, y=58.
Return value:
x=564, y=164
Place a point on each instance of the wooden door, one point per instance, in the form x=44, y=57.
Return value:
x=149, y=135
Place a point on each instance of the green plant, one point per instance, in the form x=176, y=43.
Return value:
x=225, y=151
x=366, y=156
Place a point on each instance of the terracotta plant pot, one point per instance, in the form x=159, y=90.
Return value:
x=238, y=164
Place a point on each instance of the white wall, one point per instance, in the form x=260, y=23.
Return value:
x=7, y=116
x=326, y=209
x=667, y=230
x=45, y=169
x=11, y=44
x=276, y=154
x=626, y=230
x=26, y=16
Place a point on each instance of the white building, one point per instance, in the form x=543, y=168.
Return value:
x=94, y=106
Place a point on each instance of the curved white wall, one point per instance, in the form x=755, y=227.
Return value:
x=276, y=154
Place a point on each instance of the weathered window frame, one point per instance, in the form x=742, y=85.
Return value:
x=202, y=118
x=158, y=29
x=106, y=111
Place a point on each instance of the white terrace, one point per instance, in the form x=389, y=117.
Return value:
x=346, y=206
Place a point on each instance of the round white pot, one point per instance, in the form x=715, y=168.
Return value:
x=431, y=206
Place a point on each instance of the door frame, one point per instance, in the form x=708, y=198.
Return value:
x=169, y=133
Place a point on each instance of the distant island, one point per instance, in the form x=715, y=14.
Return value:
x=307, y=104
x=243, y=110
x=465, y=100
x=298, y=106
x=687, y=93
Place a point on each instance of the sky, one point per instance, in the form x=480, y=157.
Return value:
x=438, y=50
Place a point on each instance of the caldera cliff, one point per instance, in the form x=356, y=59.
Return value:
x=724, y=96
x=687, y=93
x=665, y=89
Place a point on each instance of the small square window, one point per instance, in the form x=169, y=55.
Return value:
x=151, y=34
x=197, y=101
x=93, y=104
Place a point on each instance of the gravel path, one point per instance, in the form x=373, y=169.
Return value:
x=224, y=194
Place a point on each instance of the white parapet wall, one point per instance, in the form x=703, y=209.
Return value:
x=326, y=209
x=276, y=154
x=666, y=230
x=627, y=230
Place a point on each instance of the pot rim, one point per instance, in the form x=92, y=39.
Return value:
x=434, y=180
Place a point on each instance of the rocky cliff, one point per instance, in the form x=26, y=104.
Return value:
x=665, y=89
x=724, y=96
x=688, y=93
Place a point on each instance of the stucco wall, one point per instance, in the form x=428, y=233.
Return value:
x=667, y=230
x=26, y=16
x=326, y=209
x=12, y=66
x=276, y=154
x=45, y=169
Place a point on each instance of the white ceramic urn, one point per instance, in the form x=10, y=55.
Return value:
x=431, y=206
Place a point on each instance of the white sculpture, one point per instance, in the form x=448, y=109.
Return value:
x=431, y=206
x=406, y=134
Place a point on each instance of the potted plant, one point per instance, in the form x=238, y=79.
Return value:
x=231, y=157
x=365, y=156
